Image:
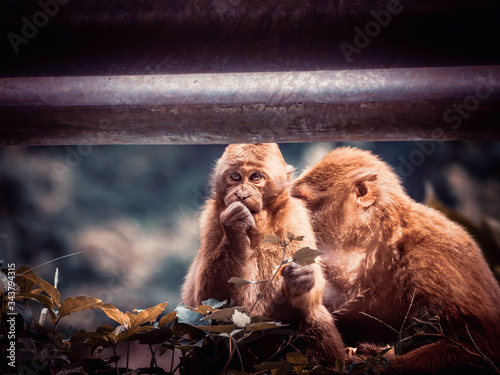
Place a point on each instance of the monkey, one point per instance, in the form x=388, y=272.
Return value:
x=251, y=198
x=395, y=267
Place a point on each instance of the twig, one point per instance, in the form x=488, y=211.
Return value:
x=284, y=345
x=239, y=355
x=51, y=261
x=343, y=307
x=231, y=353
x=407, y=312
x=380, y=321
x=480, y=352
x=172, y=361
x=153, y=357
x=400, y=341
x=285, y=244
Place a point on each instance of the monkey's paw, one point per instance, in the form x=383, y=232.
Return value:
x=237, y=218
x=298, y=279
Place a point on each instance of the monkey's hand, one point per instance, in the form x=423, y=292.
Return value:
x=236, y=220
x=304, y=285
x=298, y=279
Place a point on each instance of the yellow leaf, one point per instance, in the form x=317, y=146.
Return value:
x=28, y=274
x=148, y=315
x=115, y=314
x=202, y=309
x=298, y=361
x=224, y=314
x=40, y=298
x=73, y=304
x=170, y=317
x=23, y=283
x=219, y=329
x=265, y=325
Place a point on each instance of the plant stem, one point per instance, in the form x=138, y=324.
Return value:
x=231, y=353
x=128, y=355
x=285, y=244
x=116, y=360
x=153, y=357
x=172, y=361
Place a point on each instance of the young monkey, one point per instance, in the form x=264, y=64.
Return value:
x=251, y=198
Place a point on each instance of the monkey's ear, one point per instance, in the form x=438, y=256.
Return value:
x=366, y=190
x=289, y=172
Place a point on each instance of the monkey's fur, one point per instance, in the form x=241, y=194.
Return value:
x=251, y=199
x=396, y=260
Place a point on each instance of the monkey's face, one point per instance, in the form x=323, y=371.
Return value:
x=319, y=187
x=342, y=191
x=255, y=175
x=246, y=185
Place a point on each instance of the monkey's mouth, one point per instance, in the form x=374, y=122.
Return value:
x=253, y=206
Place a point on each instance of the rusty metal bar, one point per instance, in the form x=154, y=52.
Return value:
x=378, y=104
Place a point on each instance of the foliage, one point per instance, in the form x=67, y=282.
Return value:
x=213, y=338
x=212, y=335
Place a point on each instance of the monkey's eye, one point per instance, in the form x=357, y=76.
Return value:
x=235, y=176
x=256, y=177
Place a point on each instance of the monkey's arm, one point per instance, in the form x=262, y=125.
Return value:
x=223, y=254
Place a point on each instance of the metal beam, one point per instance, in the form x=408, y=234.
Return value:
x=446, y=103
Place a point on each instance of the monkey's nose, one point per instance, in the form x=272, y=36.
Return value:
x=242, y=194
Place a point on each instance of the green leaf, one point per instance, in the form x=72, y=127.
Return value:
x=239, y=282
x=306, y=256
x=73, y=304
x=271, y=238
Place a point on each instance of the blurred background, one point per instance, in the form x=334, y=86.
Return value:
x=131, y=212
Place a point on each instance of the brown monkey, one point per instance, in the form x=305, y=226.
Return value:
x=400, y=262
x=251, y=198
